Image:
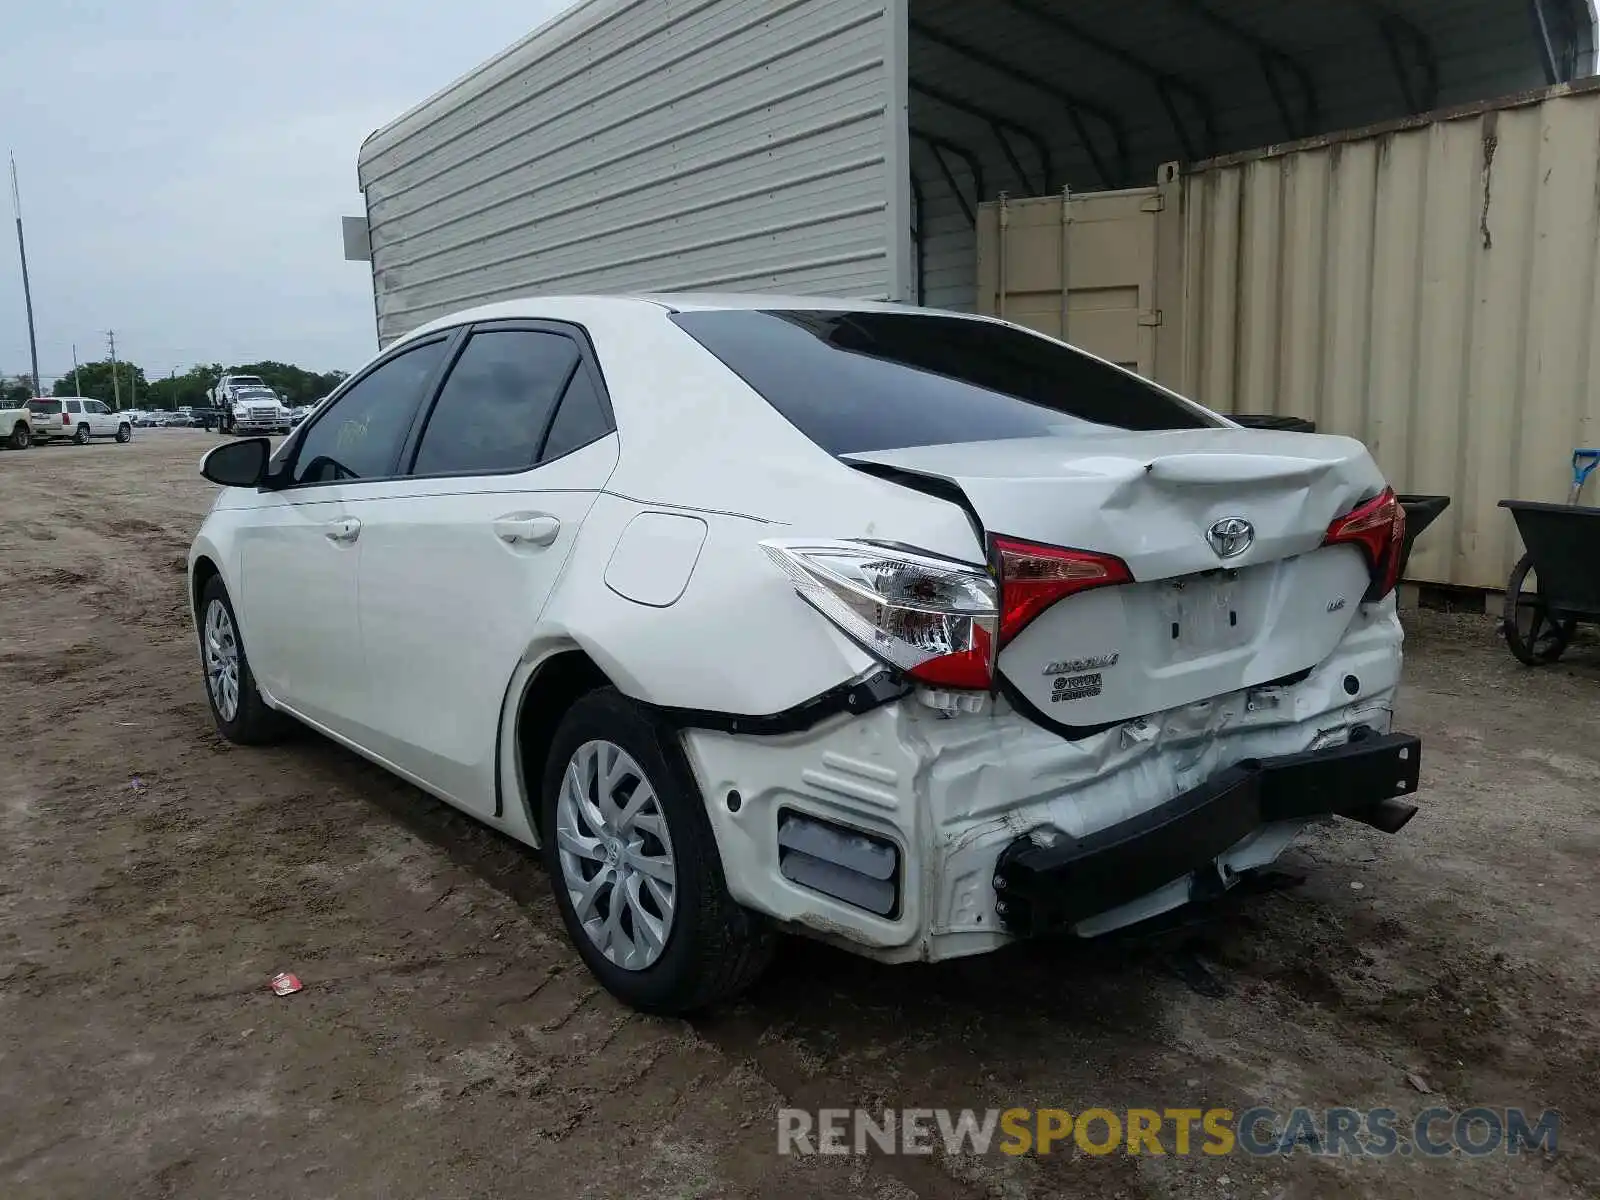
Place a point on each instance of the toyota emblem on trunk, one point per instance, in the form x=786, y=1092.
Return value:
x=1231, y=536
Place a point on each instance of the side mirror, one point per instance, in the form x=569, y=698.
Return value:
x=238, y=464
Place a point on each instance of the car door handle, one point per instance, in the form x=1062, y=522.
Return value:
x=527, y=529
x=343, y=531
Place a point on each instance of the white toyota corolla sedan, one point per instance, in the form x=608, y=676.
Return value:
x=913, y=631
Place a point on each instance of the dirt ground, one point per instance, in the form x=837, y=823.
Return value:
x=449, y=1043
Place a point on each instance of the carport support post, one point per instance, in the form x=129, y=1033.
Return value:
x=904, y=281
x=1003, y=217
x=1171, y=296
x=1066, y=257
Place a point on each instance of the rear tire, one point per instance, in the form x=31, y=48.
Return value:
x=124, y=433
x=82, y=436
x=21, y=436
x=712, y=947
x=242, y=716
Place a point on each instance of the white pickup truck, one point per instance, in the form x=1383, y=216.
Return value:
x=247, y=405
x=16, y=430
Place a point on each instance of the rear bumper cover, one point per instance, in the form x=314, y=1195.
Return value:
x=954, y=795
x=1051, y=881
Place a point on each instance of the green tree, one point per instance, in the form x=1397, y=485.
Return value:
x=187, y=390
x=94, y=378
x=15, y=390
x=296, y=384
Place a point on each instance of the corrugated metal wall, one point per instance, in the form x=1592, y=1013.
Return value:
x=1430, y=290
x=1480, y=49
x=638, y=145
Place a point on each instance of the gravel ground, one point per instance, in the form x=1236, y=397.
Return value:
x=449, y=1043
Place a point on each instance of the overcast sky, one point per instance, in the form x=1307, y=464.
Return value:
x=184, y=164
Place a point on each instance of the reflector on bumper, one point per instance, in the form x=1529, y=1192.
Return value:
x=846, y=864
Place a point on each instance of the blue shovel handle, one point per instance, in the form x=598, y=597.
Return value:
x=1584, y=463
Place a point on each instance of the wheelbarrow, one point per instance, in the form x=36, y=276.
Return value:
x=1555, y=586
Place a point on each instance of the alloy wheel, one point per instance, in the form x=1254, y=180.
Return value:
x=222, y=660
x=616, y=855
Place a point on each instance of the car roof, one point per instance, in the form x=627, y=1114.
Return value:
x=576, y=307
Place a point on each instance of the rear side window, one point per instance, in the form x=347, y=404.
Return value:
x=45, y=408
x=580, y=420
x=74, y=406
x=861, y=381
x=497, y=403
x=359, y=436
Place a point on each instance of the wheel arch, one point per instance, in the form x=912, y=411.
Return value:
x=202, y=571
x=541, y=691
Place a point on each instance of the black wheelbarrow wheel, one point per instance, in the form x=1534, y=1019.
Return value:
x=1534, y=635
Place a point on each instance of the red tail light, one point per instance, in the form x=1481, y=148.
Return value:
x=1034, y=577
x=969, y=668
x=1378, y=527
x=66, y=420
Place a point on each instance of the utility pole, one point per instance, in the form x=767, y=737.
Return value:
x=116, y=388
x=77, y=384
x=27, y=292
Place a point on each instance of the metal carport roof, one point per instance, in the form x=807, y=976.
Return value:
x=1029, y=96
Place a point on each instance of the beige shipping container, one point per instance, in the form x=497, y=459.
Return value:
x=1428, y=286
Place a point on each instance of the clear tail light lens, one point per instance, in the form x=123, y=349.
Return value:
x=934, y=619
x=1378, y=528
x=1034, y=577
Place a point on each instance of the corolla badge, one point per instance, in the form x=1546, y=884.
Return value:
x=1231, y=536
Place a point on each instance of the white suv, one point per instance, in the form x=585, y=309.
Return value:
x=914, y=631
x=78, y=420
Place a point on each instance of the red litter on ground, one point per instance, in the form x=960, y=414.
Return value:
x=286, y=983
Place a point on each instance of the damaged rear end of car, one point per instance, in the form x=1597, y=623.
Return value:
x=1171, y=645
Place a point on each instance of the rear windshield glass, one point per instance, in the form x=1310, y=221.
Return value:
x=247, y=381
x=44, y=407
x=860, y=381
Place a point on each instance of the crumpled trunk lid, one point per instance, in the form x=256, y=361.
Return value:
x=1222, y=531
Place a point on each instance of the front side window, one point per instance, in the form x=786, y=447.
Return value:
x=360, y=435
x=97, y=408
x=859, y=381
x=496, y=404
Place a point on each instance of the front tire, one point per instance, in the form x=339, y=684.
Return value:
x=242, y=716
x=21, y=436
x=124, y=433
x=634, y=865
x=82, y=436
